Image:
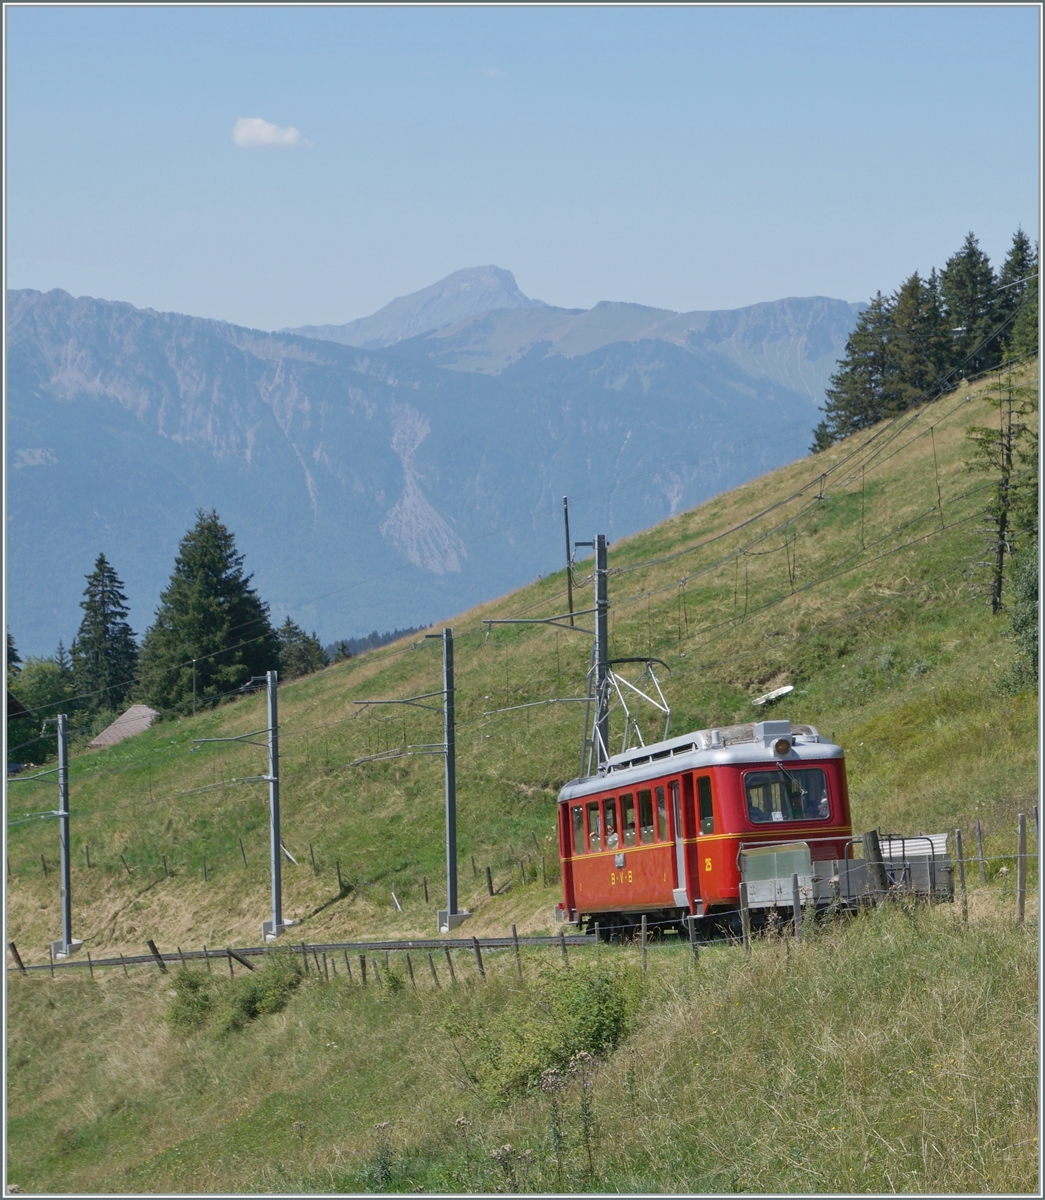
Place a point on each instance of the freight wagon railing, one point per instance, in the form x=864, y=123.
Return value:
x=918, y=865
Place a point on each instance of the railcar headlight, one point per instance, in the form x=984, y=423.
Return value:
x=781, y=747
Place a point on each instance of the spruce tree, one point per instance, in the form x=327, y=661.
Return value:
x=300, y=653
x=858, y=393
x=1014, y=277
x=104, y=652
x=1007, y=453
x=918, y=345
x=14, y=659
x=969, y=292
x=212, y=631
x=1023, y=333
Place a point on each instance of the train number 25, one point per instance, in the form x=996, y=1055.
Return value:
x=619, y=877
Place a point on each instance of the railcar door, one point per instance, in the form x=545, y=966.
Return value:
x=681, y=890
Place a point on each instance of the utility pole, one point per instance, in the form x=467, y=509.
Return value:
x=451, y=918
x=270, y=930
x=66, y=946
x=569, y=558
x=602, y=654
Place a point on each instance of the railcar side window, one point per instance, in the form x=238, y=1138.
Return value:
x=594, y=827
x=646, y=815
x=707, y=820
x=661, y=815
x=627, y=818
x=579, y=841
x=611, y=824
x=787, y=795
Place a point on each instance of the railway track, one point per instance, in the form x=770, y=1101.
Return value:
x=242, y=953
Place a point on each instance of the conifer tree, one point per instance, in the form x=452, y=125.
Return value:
x=104, y=652
x=300, y=653
x=858, y=393
x=918, y=346
x=1014, y=278
x=14, y=659
x=968, y=289
x=212, y=631
x=1007, y=453
x=1023, y=334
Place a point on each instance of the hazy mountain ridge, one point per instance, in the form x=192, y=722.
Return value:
x=795, y=341
x=459, y=296
x=408, y=489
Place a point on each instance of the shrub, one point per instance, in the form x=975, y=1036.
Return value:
x=192, y=1003
x=265, y=990
x=567, y=1012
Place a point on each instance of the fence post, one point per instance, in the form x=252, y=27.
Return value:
x=562, y=943
x=348, y=965
x=450, y=964
x=410, y=972
x=206, y=959
x=875, y=863
x=90, y=965
x=979, y=851
x=87, y=851
x=431, y=967
x=518, y=957
x=644, y=943
x=340, y=884
x=124, y=861
x=478, y=957
x=960, y=857
x=544, y=871
x=475, y=873
x=489, y=881
x=304, y=956
x=123, y=964
x=313, y=857
x=362, y=970
x=205, y=868
x=232, y=969
x=691, y=921
x=156, y=955
x=1021, y=867
x=522, y=871
x=50, y=957
x=242, y=852
x=166, y=873
x=796, y=905
x=745, y=919
x=17, y=957
x=43, y=863
x=424, y=880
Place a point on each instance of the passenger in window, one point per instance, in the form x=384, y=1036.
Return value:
x=611, y=824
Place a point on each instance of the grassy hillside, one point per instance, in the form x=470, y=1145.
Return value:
x=851, y=575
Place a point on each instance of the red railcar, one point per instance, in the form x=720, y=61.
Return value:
x=660, y=830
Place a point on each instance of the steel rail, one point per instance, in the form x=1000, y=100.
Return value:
x=178, y=956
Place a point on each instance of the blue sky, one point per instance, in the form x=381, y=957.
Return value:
x=681, y=157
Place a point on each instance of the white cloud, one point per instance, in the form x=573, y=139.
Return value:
x=254, y=131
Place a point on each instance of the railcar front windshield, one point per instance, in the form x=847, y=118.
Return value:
x=787, y=795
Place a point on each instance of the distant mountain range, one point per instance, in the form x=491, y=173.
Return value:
x=393, y=470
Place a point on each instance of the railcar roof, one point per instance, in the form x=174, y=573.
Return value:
x=721, y=746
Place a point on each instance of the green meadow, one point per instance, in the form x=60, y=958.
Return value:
x=896, y=1050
